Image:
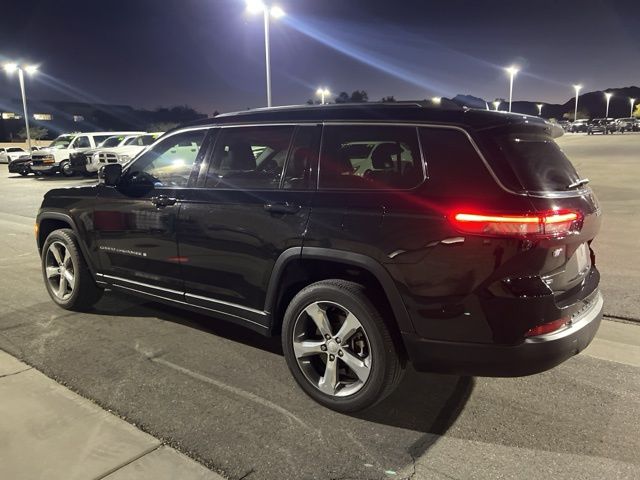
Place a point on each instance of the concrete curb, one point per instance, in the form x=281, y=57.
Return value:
x=48, y=431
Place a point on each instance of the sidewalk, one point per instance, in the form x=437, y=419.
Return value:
x=49, y=432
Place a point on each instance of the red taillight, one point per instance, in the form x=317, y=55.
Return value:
x=547, y=327
x=548, y=224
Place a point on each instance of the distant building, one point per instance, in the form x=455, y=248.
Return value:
x=60, y=117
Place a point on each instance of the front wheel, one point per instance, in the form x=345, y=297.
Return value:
x=65, y=169
x=66, y=275
x=338, y=347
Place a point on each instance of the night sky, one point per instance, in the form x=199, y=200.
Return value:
x=209, y=54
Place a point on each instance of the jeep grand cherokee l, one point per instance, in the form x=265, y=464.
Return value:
x=463, y=246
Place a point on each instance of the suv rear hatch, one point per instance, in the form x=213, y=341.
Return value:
x=564, y=218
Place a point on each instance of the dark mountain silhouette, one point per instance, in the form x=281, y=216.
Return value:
x=591, y=104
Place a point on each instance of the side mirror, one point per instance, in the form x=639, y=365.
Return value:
x=110, y=174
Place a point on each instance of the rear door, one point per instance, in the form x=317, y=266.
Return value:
x=251, y=205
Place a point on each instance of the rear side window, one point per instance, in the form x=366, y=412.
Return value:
x=303, y=159
x=453, y=165
x=369, y=157
x=536, y=160
x=250, y=157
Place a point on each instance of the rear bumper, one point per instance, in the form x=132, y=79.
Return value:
x=534, y=355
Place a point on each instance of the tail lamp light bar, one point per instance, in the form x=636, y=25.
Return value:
x=549, y=224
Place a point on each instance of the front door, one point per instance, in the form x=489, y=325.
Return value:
x=135, y=223
x=253, y=204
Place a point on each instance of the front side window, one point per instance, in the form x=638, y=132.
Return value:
x=109, y=142
x=365, y=157
x=62, y=141
x=249, y=157
x=170, y=163
x=81, y=142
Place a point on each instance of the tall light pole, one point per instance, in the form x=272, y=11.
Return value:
x=577, y=89
x=540, y=105
x=608, y=96
x=257, y=6
x=512, y=73
x=496, y=104
x=322, y=93
x=30, y=69
x=631, y=102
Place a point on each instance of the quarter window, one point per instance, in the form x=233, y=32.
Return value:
x=370, y=157
x=170, y=163
x=249, y=157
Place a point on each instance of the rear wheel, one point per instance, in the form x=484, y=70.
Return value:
x=66, y=276
x=338, y=347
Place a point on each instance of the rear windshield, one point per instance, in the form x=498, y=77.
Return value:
x=536, y=160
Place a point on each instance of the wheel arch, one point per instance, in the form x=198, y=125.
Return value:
x=48, y=222
x=297, y=267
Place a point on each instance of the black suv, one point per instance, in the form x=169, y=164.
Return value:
x=366, y=236
x=604, y=126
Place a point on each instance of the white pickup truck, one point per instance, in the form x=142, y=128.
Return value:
x=55, y=158
x=123, y=153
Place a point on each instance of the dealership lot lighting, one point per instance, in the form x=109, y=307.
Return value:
x=11, y=68
x=512, y=71
x=577, y=88
x=608, y=96
x=323, y=93
x=255, y=7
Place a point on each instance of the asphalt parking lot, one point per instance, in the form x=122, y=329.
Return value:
x=224, y=396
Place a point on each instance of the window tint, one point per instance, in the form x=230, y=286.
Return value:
x=82, y=142
x=453, y=165
x=303, y=159
x=109, y=142
x=534, y=157
x=249, y=157
x=370, y=157
x=170, y=163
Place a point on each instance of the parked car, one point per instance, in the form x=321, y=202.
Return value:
x=21, y=165
x=578, y=126
x=628, y=124
x=78, y=161
x=566, y=125
x=465, y=247
x=122, y=153
x=601, y=125
x=7, y=154
x=55, y=158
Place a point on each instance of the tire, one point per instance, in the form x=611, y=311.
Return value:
x=80, y=291
x=369, y=347
x=65, y=169
x=24, y=172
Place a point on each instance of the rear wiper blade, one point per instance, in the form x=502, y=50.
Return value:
x=578, y=183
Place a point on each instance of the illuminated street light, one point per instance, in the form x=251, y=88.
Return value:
x=30, y=69
x=437, y=100
x=631, y=102
x=540, y=105
x=608, y=96
x=322, y=93
x=257, y=6
x=577, y=88
x=512, y=71
x=496, y=104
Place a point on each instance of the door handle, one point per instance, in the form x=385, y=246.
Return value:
x=163, y=201
x=285, y=207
